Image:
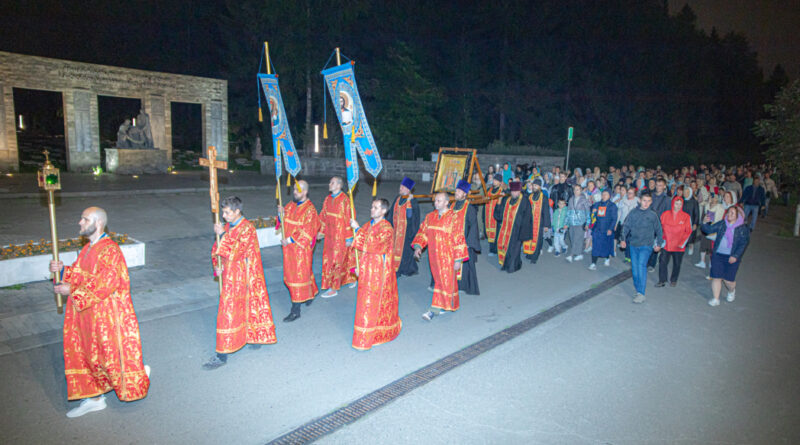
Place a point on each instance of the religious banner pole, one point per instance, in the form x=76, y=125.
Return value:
x=213, y=165
x=282, y=143
x=349, y=188
x=49, y=179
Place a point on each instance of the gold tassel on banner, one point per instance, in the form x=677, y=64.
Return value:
x=278, y=192
x=288, y=180
x=260, y=115
x=374, y=187
x=325, y=130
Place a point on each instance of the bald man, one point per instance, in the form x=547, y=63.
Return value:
x=300, y=227
x=102, y=349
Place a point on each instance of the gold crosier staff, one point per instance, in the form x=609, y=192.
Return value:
x=350, y=189
x=213, y=164
x=49, y=178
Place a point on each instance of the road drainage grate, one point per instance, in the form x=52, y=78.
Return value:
x=334, y=420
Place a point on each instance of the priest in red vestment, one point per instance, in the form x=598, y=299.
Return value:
x=300, y=227
x=442, y=234
x=376, y=320
x=494, y=194
x=102, y=348
x=335, y=230
x=244, y=315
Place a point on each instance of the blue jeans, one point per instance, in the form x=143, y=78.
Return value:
x=639, y=257
x=751, y=210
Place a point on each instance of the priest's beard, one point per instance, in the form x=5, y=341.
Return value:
x=88, y=232
x=297, y=200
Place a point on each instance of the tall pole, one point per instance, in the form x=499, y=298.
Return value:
x=569, y=142
x=349, y=189
x=51, y=204
x=49, y=179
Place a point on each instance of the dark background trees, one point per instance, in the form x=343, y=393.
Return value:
x=630, y=78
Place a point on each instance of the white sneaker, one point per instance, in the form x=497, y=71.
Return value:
x=428, y=316
x=690, y=251
x=330, y=293
x=588, y=249
x=607, y=262
x=352, y=285
x=569, y=258
x=147, y=370
x=431, y=289
x=578, y=258
x=731, y=296
x=87, y=406
x=701, y=264
x=550, y=249
x=713, y=302
x=708, y=277
x=593, y=266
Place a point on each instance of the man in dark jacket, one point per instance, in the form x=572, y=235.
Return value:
x=642, y=230
x=661, y=203
x=692, y=207
x=753, y=198
x=561, y=190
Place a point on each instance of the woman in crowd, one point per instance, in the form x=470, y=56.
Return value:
x=728, y=199
x=714, y=212
x=605, y=221
x=487, y=178
x=677, y=227
x=578, y=210
x=732, y=238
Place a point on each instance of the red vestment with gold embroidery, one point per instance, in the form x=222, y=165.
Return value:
x=377, y=320
x=444, y=237
x=496, y=194
x=244, y=314
x=335, y=225
x=301, y=224
x=102, y=348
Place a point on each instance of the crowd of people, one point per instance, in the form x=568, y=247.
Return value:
x=652, y=218
x=647, y=217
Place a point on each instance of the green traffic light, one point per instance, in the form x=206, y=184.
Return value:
x=51, y=179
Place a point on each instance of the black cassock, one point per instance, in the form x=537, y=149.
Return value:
x=544, y=222
x=408, y=265
x=469, y=273
x=521, y=231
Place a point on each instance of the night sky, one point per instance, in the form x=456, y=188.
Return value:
x=771, y=26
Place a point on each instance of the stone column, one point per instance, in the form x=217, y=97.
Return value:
x=214, y=129
x=81, y=128
x=9, y=155
x=156, y=108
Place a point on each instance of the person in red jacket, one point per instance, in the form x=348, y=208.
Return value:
x=677, y=227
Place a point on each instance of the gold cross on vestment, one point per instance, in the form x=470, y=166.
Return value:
x=213, y=164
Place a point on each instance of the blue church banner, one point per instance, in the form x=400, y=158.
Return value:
x=341, y=82
x=282, y=143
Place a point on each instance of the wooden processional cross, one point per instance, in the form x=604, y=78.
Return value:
x=213, y=164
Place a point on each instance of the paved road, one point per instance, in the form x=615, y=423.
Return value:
x=670, y=371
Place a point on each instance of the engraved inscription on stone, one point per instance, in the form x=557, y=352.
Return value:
x=158, y=121
x=3, y=143
x=83, y=126
x=216, y=128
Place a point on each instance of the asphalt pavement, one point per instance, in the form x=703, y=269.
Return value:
x=672, y=370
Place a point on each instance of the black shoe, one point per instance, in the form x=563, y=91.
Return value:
x=214, y=363
x=661, y=284
x=291, y=317
x=308, y=303
x=673, y=284
x=255, y=346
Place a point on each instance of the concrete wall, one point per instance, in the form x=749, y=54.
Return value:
x=81, y=83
